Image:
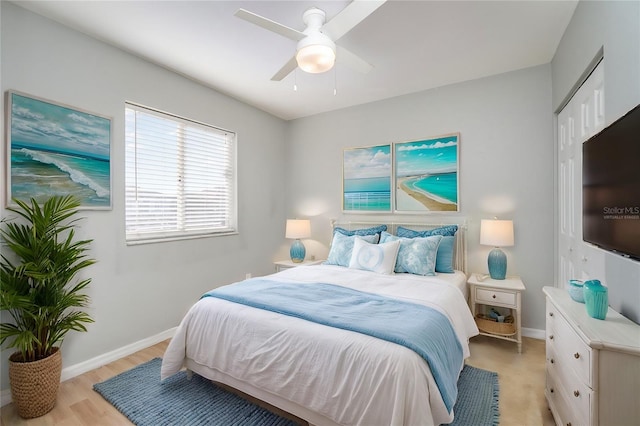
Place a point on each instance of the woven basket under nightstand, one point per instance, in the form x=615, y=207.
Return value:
x=506, y=328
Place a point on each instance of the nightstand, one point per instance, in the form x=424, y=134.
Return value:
x=506, y=295
x=286, y=264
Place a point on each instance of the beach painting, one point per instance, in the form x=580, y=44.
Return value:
x=366, y=179
x=58, y=150
x=426, y=174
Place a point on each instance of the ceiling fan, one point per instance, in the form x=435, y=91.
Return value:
x=316, y=51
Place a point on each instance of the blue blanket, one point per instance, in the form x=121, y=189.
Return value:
x=419, y=328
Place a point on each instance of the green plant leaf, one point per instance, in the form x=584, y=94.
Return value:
x=40, y=290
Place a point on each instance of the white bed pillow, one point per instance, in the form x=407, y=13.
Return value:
x=342, y=247
x=379, y=258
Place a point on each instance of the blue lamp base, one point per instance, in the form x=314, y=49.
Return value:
x=497, y=262
x=297, y=251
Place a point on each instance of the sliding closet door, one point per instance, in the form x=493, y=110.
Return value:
x=580, y=119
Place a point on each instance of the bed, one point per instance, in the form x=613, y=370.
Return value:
x=328, y=371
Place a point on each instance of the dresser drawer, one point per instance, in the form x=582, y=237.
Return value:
x=571, y=351
x=551, y=349
x=496, y=297
x=550, y=324
x=563, y=412
x=552, y=316
x=575, y=393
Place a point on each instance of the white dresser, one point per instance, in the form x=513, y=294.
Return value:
x=593, y=366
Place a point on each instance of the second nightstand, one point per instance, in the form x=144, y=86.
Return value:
x=286, y=264
x=505, y=293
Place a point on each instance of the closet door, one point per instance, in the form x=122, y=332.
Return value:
x=580, y=119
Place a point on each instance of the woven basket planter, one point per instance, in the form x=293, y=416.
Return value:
x=506, y=328
x=34, y=385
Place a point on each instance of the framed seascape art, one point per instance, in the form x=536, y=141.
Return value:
x=366, y=179
x=55, y=149
x=426, y=174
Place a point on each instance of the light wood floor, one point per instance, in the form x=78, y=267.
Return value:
x=521, y=379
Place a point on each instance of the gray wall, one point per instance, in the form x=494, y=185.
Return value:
x=140, y=291
x=506, y=165
x=613, y=26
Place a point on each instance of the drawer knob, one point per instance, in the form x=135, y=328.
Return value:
x=552, y=361
x=551, y=337
x=576, y=355
x=494, y=296
x=576, y=393
x=550, y=314
x=569, y=424
x=551, y=390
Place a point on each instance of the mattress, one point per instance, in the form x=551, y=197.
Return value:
x=457, y=279
x=323, y=374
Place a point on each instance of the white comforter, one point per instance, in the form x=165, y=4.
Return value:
x=341, y=376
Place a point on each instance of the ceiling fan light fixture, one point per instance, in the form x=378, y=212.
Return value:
x=316, y=49
x=316, y=58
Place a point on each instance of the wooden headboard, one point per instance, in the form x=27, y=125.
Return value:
x=460, y=255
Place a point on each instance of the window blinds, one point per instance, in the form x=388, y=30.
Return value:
x=180, y=177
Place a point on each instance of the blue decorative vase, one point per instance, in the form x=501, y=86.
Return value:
x=576, y=290
x=297, y=251
x=596, y=299
x=497, y=263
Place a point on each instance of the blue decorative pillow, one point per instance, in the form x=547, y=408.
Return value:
x=342, y=246
x=380, y=258
x=416, y=255
x=376, y=230
x=445, y=231
x=444, y=258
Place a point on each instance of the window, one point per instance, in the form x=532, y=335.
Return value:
x=180, y=177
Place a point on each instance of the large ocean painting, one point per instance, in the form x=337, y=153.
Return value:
x=426, y=174
x=366, y=182
x=57, y=150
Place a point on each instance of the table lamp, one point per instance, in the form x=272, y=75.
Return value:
x=298, y=228
x=497, y=233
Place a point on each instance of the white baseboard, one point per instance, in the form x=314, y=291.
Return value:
x=5, y=397
x=534, y=333
x=97, y=362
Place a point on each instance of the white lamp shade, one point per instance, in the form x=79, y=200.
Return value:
x=298, y=228
x=496, y=233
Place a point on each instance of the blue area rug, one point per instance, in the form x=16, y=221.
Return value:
x=477, y=403
x=143, y=399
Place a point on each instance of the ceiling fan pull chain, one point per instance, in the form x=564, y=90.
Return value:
x=295, y=80
x=335, y=81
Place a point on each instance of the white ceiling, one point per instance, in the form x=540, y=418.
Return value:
x=413, y=45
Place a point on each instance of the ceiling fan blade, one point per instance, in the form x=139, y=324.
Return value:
x=270, y=25
x=285, y=70
x=344, y=56
x=350, y=16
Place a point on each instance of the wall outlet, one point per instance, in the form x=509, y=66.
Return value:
x=247, y=275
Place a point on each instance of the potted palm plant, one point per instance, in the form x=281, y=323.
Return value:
x=42, y=295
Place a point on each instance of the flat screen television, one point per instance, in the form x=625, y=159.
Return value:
x=611, y=187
